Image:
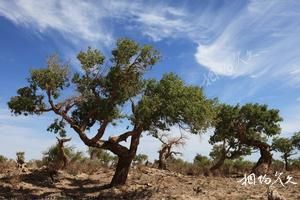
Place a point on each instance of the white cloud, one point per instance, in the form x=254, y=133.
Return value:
x=257, y=38
x=262, y=39
x=75, y=20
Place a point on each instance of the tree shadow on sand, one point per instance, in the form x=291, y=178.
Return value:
x=43, y=187
x=104, y=193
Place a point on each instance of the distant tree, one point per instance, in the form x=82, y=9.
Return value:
x=140, y=158
x=20, y=158
x=229, y=149
x=168, y=144
x=245, y=127
x=60, y=155
x=202, y=161
x=100, y=154
x=296, y=163
x=296, y=140
x=2, y=159
x=287, y=147
x=99, y=95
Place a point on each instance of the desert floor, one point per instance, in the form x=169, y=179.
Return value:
x=143, y=183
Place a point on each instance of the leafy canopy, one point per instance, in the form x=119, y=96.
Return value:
x=286, y=146
x=244, y=127
x=99, y=95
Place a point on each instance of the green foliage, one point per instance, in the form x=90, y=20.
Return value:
x=51, y=79
x=90, y=59
x=286, y=146
x=216, y=151
x=236, y=166
x=52, y=154
x=102, y=92
x=20, y=157
x=296, y=140
x=240, y=126
x=99, y=154
x=140, y=158
x=169, y=101
x=243, y=165
x=251, y=121
x=202, y=161
x=58, y=126
x=27, y=101
x=283, y=145
x=2, y=159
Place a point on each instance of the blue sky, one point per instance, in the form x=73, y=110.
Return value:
x=239, y=51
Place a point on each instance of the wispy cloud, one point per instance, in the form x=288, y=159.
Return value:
x=261, y=39
x=80, y=20
x=240, y=38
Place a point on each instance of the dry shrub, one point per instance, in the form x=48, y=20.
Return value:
x=295, y=164
x=7, y=165
x=277, y=165
x=84, y=166
x=201, y=166
x=183, y=167
x=35, y=164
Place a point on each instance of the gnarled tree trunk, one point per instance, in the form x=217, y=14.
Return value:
x=122, y=171
x=162, y=162
x=265, y=160
x=286, y=163
x=219, y=163
x=125, y=160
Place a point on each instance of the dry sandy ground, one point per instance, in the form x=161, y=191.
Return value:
x=143, y=183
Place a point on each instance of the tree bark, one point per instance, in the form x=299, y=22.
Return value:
x=263, y=164
x=162, y=163
x=122, y=171
x=286, y=163
x=125, y=160
x=220, y=162
x=164, y=154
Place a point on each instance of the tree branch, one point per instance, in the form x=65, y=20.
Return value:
x=100, y=132
x=120, y=138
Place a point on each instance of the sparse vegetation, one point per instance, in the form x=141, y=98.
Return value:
x=167, y=149
x=2, y=159
x=286, y=146
x=20, y=159
x=246, y=127
x=156, y=105
x=140, y=159
x=101, y=96
x=104, y=157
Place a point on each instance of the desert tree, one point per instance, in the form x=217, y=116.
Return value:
x=227, y=148
x=168, y=145
x=287, y=147
x=247, y=127
x=201, y=160
x=296, y=140
x=2, y=159
x=102, y=155
x=225, y=144
x=140, y=159
x=59, y=154
x=20, y=159
x=99, y=95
